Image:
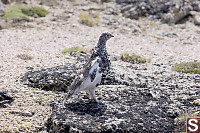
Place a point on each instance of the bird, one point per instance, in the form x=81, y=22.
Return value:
x=94, y=69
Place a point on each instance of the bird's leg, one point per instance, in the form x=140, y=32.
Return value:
x=92, y=95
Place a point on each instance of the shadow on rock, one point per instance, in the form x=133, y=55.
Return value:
x=124, y=109
x=90, y=108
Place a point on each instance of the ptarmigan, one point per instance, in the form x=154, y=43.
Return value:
x=97, y=66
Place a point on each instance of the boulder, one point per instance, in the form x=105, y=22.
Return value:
x=122, y=109
x=60, y=77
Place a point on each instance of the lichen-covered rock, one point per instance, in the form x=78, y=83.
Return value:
x=135, y=97
x=57, y=77
x=60, y=77
x=5, y=97
x=123, y=109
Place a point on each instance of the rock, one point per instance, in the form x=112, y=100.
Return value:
x=2, y=8
x=197, y=20
x=178, y=13
x=60, y=77
x=5, y=97
x=27, y=113
x=6, y=1
x=197, y=102
x=123, y=109
x=57, y=77
x=168, y=11
x=106, y=1
x=133, y=95
x=196, y=17
x=22, y=113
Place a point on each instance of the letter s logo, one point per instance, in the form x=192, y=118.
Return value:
x=193, y=123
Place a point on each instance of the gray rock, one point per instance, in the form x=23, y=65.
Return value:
x=168, y=11
x=196, y=17
x=5, y=97
x=27, y=113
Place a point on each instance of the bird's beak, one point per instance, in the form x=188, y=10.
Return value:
x=112, y=36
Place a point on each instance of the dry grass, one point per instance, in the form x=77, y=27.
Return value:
x=74, y=49
x=25, y=57
x=89, y=18
x=188, y=67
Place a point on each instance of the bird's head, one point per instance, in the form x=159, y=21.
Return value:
x=106, y=36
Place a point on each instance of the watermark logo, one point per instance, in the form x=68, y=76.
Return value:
x=193, y=125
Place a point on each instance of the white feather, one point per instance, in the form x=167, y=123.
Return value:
x=88, y=84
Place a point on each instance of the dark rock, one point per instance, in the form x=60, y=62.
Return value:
x=5, y=97
x=123, y=109
x=5, y=1
x=60, y=77
x=160, y=96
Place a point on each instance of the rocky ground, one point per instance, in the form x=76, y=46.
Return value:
x=138, y=94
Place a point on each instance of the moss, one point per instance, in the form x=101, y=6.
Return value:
x=133, y=58
x=74, y=49
x=188, y=67
x=15, y=13
x=25, y=57
x=20, y=12
x=41, y=12
x=89, y=18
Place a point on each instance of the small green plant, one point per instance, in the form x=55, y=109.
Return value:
x=159, y=38
x=20, y=12
x=54, y=90
x=25, y=57
x=188, y=67
x=89, y=18
x=133, y=58
x=74, y=49
x=41, y=12
x=15, y=13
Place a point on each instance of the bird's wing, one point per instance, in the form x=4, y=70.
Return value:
x=82, y=76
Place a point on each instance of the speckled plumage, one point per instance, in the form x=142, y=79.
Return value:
x=97, y=66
